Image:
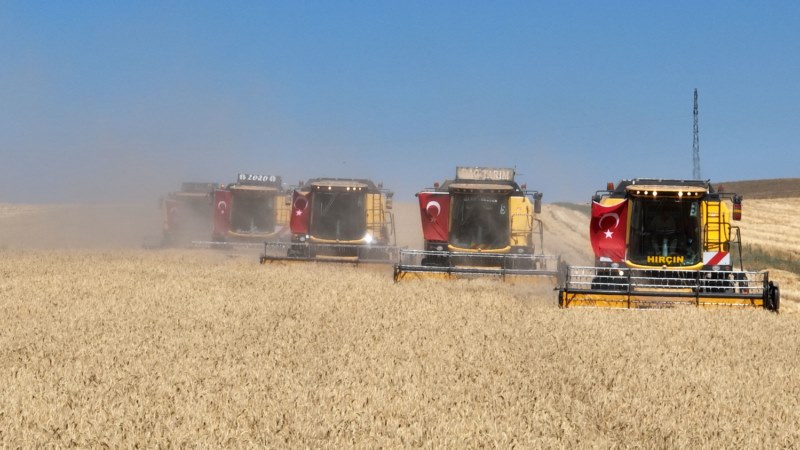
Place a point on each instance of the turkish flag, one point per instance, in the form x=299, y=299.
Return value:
x=301, y=212
x=608, y=229
x=223, y=200
x=434, y=207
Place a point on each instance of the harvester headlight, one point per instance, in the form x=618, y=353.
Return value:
x=621, y=273
x=715, y=268
x=302, y=238
x=615, y=265
x=368, y=238
x=439, y=248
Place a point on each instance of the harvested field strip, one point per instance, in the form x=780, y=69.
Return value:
x=192, y=348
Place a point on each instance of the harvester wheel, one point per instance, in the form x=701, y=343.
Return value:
x=774, y=296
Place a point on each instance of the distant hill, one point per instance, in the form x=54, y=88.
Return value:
x=774, y=188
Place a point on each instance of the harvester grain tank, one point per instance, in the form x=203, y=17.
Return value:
x=665, y=243
x=480, y=223
x=338, y=220
x=251, y=210
x=187, y=214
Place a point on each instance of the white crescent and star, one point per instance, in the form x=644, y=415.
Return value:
x=222, y=205
x=608, y=233
x=433, y=204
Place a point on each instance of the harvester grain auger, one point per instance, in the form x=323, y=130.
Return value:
x=186, y=215
x=248, y=212
x=338, y=220
x=666, y=243
x=480, y=223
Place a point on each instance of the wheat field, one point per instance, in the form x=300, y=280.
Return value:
x=120, y=347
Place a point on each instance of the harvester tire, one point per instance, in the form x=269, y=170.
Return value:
x=775, y=297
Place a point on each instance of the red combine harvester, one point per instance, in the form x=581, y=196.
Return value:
x=338, y=220
x=186, y=214
x=249, y=211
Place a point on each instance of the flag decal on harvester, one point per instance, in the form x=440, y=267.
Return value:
x=608, y=229
x=300, y=219
x=434, y=207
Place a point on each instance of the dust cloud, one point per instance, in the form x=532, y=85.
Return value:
x=56, y=226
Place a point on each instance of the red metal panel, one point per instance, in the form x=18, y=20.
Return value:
x=434, y=208
x=301, y=212
x=608, y=230
x=223, y=200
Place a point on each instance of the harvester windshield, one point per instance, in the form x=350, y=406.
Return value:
x=253, y=211
x=338, y=215
x=479, y=221
x=665, y=231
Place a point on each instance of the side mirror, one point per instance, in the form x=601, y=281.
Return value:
x=737, y=207
x=537, y=203
x=389, y=196
x=287, y=199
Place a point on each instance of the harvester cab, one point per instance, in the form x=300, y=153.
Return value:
x=480, y=223
x=338, y=220
x=249, y=211
x=187, y=214
x=665, y=243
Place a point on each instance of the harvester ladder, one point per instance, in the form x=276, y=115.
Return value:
x=716, y=231
x=728, y=237
x=283, y=209
x=375, y=215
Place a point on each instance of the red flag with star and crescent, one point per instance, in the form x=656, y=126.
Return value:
x=607, y=230
x=434, y=207
x=300, y=220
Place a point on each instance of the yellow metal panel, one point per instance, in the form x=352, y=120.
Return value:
x=520, y=221
x=283, y=209
x=608, y=201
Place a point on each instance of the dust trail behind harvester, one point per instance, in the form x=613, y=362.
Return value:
x=106, y=225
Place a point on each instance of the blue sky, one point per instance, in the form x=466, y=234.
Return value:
x=106, y=101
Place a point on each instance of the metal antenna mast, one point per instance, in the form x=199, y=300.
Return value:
x=696, y=142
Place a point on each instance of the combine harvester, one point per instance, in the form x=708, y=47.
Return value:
x=186, y=214
x=338, y=220
x=662, y=244
x=249, y=211
x=480, y=223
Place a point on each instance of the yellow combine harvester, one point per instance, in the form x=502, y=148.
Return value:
x=480, y=223
x=665, y=243
x=338, y=220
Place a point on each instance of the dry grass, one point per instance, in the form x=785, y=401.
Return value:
x=191, y=348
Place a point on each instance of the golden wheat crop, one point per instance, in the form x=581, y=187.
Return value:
x=772, y=224
x=174, y=348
